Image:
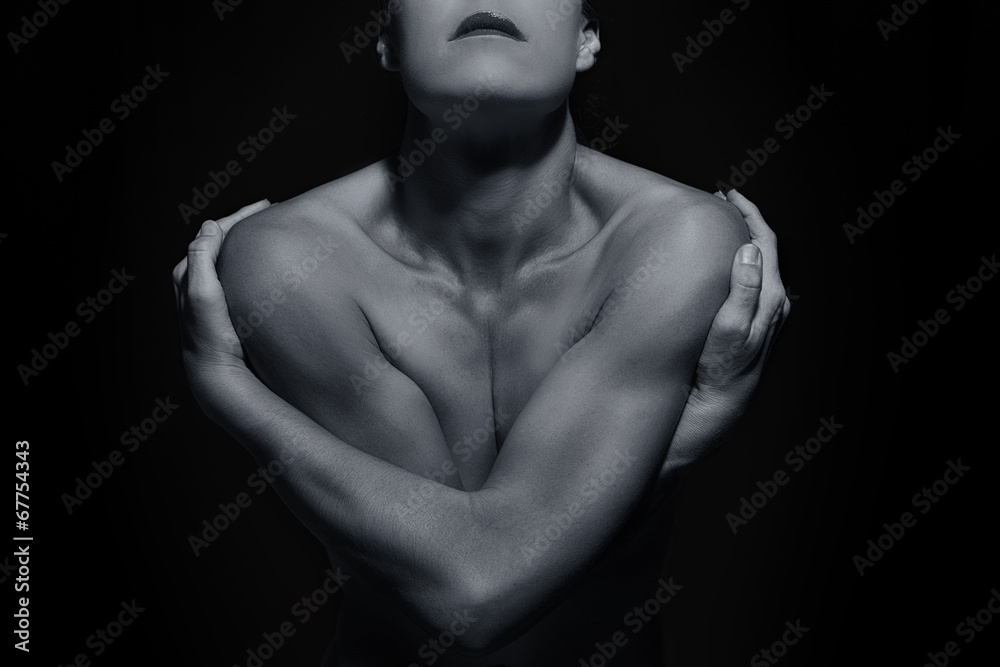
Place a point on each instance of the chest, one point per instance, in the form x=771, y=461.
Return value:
x=479, y=354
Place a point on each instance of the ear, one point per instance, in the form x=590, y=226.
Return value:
x=388, y=55
x=590, y=44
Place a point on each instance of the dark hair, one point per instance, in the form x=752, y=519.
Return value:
x=587, y=106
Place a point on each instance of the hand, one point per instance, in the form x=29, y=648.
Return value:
x=208, y=338
x=737, y=347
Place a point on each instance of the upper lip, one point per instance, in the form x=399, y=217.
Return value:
x=489, y=21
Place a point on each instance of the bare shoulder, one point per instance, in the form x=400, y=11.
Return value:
x=690, y=234
x=667, y=259
x=292, y=275
x=315, y=232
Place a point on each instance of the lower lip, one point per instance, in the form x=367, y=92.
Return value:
x=486, y=32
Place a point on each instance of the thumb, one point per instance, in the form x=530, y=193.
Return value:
x=203, y=252
x=734, y=321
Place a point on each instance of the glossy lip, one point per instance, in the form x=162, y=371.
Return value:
x=493, y=22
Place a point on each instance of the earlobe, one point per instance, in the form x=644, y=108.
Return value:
x=387, y=55
x=590, y=46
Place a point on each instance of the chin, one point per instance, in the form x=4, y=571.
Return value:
x=493, y=87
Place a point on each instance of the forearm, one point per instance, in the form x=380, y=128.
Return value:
x=435, y=549
x=354, y=502
x=611, y=395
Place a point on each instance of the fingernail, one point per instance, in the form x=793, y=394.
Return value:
x=208, y=228
x=749, y=254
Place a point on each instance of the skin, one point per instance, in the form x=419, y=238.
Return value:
x=536, y=359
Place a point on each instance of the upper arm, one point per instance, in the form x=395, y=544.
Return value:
x=291, y=297
x=592, y=438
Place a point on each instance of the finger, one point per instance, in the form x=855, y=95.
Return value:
x=761, y=234
x=765, y=239
x=749, y=210
x=762, y=344
x=180, y=271
x=227, y=222
x=786, y=308
x=179, y=280
x=179, y=289
x=202, y=279
x=759, y=229
x=734, y=322
x=767, y=323
x=720, y=195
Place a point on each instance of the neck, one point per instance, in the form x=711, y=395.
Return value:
x=490, y=195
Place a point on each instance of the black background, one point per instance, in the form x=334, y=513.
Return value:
x=853, y=302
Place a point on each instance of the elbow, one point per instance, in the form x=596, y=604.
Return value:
x=475, y=628
x=470, y=632
x=488, y=598
x=484, y=614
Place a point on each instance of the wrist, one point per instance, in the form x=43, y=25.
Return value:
x=216, y=384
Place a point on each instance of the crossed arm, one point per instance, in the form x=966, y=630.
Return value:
x=610, y=407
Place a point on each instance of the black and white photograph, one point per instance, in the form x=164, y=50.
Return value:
x=507, y=333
